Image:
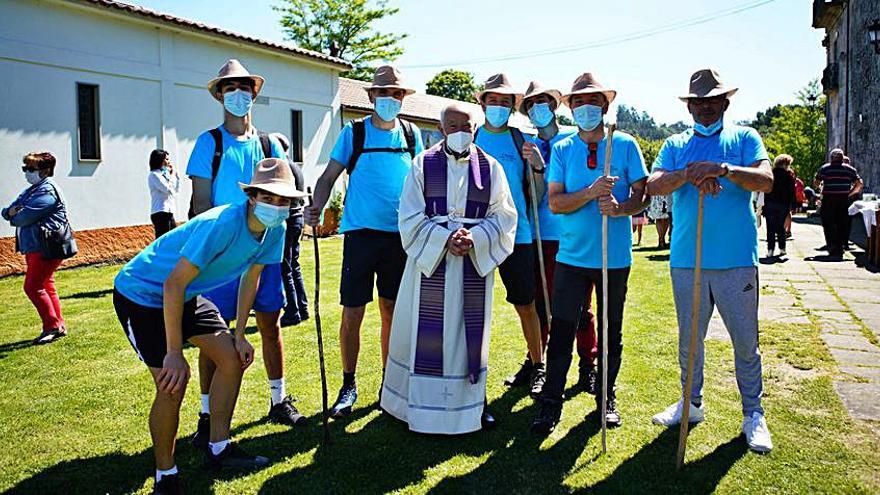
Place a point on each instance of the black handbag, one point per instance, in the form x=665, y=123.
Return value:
x=58, y=243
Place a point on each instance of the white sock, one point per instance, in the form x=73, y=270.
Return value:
x=276, y=389
x=160, y=473
x=206, y=403
x=218, y=447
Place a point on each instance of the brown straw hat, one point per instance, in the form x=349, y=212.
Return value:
x=389, y=78
x=273, y=175
x=536, y=89
x=587, y=84
x=233, y=69
x=706, y=83
x=500, y=85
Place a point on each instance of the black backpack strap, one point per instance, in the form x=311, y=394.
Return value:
x=358, y=137
x=409, y=136
x=266, y=144
x=218, y=151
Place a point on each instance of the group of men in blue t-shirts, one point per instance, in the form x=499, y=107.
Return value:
x=225, y=262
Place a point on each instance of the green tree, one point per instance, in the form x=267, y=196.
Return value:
x=650, y=149
x=342, y=29
x=455, y=84
x=799, y=130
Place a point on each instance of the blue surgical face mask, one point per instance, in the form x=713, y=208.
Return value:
x=497, y=116
x=387, y=108
x=711, y=129
x=541, y=114
x=271, y=215
x=238, y=102
x=587, y=117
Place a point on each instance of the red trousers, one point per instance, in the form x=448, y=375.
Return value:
x=39, y=285
x=586, y=329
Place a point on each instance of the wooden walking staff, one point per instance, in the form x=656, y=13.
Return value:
x=540, y=245
x=692, y=347
x=318, y=329
x=608, y=139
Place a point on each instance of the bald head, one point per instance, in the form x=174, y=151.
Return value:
x=455, y=118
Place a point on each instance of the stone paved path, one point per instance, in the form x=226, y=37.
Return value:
x=845, y=301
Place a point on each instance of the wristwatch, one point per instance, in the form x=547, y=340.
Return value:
x=726, y=167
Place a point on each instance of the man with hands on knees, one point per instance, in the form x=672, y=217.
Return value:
x=158, y=300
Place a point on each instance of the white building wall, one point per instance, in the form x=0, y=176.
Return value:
x=152, y=94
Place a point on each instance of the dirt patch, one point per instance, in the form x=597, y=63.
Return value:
x=95, y=246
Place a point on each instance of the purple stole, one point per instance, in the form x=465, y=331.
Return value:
x=429, y=342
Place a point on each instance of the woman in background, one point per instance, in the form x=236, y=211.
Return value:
x=164, y=185
x=778, y=204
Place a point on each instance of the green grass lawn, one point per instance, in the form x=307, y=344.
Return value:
x=73, y=414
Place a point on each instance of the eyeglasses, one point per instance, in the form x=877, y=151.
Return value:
x=593, y=157
x=29, y=169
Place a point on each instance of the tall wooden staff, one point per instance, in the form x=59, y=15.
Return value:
x=318, y=329
x=695, y=316
x=540, y=245
x=608, y=138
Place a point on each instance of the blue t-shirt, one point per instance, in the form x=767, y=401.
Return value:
x=500, y=146
x=217, y=241
x=237, y=164
x=580, y=240
x=730, y=233
x=373, y=197
x=549, y=221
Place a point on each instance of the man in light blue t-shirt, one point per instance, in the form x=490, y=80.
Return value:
x=215, y=183
x=726, y=163
x=158, y=300
x=506, y=144
x=377, y=153
x=581, y=193
x=540, y=105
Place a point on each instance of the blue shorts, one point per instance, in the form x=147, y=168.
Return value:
x=270, y=294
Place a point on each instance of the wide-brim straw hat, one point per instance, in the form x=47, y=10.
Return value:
x=706, y=83
x=388, y=77
x=586, y=84
x=273, y=175
x=233, y=69
x=501, y=85
x=536, y=89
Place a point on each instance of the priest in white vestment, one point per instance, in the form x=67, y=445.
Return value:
x=457, y=223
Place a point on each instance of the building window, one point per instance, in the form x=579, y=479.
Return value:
x=296, y=136
x=88, y=121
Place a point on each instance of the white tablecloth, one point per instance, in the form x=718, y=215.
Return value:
x=867, y=209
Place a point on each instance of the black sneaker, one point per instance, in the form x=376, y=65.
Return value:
x=587, y=379
x=348, y=395
x=49, y=336
x=612, y=414
x=290, y=319
x=168, y=485
x=203, y=432
x=547, y=418
x=285, y=413
x=522, y=376
x=539, y=376
x=487, y=420
x=232, y=457
x=304, y=315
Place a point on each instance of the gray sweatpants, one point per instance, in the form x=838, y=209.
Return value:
x=735, y=293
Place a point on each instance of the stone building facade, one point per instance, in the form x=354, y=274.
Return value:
x=851, y=81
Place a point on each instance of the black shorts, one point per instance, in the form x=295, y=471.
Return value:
x=518, y=274
x=366, y=253
x=145, y=327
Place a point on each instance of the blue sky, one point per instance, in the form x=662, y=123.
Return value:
x=768, y=51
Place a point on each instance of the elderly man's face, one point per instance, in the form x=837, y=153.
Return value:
x=595, y=99
x=707, y=111
x=541, y=98
x=455, y=121
x=497, y=99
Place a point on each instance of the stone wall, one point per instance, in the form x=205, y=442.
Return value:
x=95, y=246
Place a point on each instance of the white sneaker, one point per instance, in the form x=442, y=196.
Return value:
x=782, y=253
x=671, y=416
x=757, y=434
x=771, y=253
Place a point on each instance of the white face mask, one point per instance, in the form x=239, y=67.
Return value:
x=459, y=141
x=32, y=177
